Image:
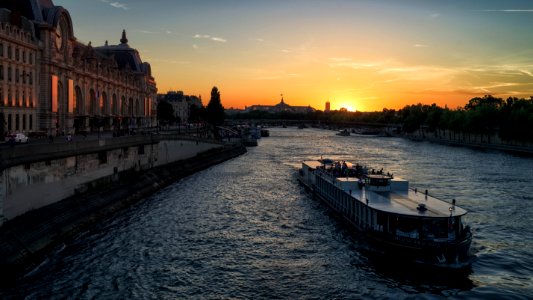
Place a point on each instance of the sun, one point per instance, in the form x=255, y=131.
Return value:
x=348, y=105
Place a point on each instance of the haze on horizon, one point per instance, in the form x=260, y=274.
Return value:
x=362, y=55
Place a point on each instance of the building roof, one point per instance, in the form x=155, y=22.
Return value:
x=125, y=56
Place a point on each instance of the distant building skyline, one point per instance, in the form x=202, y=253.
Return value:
x=280, y=107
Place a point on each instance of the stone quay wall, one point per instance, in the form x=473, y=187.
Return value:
x=76, y=185
x=34, y=176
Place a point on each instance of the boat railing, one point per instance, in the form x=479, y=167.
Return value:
x=333, y=172
x=426, y=194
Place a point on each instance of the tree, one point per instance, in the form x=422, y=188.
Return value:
x=214, y=113
x=196, y=114
x=165, y=113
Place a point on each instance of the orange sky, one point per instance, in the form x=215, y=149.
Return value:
x=362, y=55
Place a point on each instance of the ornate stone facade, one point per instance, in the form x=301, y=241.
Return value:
x=63, y=85
x=18, y=73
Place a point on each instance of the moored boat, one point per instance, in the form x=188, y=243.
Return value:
x=398, y=220
x=265, y=133
x=344, y=132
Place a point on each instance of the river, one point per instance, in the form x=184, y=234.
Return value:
x=246, y=229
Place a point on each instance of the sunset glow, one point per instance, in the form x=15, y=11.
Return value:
x=367, y=54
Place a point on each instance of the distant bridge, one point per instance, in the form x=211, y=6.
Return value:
x=314, y=123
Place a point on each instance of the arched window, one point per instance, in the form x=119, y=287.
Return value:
x=92, y=102
x=61, y=98
x=114, y=105
x=123, y=106
x=130, y=107
x=138, y=108
x=78, y=101
x=104, y=109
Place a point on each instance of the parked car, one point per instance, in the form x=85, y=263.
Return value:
x=17, y=138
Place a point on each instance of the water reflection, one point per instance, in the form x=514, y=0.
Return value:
x=246, y=229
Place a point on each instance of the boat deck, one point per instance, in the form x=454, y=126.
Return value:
x=406, y=203
x=398, y=202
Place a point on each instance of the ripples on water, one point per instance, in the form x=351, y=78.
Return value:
x=246, y=229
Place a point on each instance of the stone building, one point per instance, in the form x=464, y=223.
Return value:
x=18, y=73
x=54, y=84
x=280, y=107
x=181, y=104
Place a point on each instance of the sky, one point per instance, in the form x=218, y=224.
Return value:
x=357, y=54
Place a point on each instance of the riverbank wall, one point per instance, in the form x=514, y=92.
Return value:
x=476, y=141
x=51, y=196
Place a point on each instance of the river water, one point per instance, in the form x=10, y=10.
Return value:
x=246, y=229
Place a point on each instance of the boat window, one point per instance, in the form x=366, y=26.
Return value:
x=434, y=229
x=407, y=227
x=377, y=181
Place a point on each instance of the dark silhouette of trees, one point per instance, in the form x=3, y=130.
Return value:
x=196, y=114
x=511, y=119
x=214, y=113
x=413, y=116
x=165, y=113
x=517, y=119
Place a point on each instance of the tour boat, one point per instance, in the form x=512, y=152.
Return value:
x=402, y=222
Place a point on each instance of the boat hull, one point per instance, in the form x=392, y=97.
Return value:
x=449, y=255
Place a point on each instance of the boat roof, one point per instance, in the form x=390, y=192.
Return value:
x=402, y=203
x=406, y=203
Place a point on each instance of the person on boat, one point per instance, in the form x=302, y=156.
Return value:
x=360, y=183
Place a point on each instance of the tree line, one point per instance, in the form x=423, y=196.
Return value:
x=511, y=119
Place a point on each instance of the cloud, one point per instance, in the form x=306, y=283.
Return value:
x=116, y=4
x=340, y=59
x=218, y=39
x=508, y=10
x=195, y=46
x=278, y=76
x=119, y=5
x=420, y=46
x=208, y=37
x=145, y=31
x=346, y=62
x=260, y=40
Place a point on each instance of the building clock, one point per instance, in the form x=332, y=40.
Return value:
x=59, y=37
